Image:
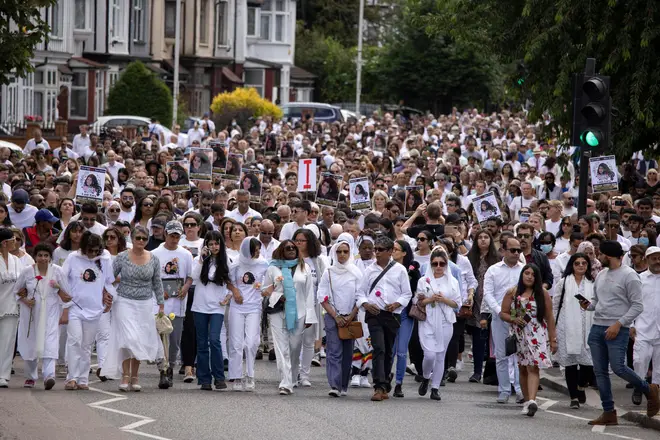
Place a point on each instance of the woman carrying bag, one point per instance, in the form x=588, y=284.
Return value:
x=337, y=294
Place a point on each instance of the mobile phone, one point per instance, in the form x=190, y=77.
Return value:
x=581, y=298
x=619, y=203
x=527, y=318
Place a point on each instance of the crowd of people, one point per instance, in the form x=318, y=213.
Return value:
x=376, y=292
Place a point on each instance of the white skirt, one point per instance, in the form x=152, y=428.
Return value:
x=133, y=334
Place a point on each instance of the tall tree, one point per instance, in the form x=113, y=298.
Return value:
x=554, y=38
x=21, y=30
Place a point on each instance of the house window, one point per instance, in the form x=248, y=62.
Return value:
x=80, y=18
x=254, y=78
x=138, y=20
x=280, y=20
x=45, y=95
x=112, y=79
x=99, y=95
x=79, y=95
x=252, y=17
x=265, y=18
x=55, y=21
x=204, y=23
x=273, y=15
x=170, y=19
x=115, y=20
x=221, y=30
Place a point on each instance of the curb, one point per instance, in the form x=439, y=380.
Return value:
x=631, y=416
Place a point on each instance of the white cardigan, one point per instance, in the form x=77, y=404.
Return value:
x=304, y=285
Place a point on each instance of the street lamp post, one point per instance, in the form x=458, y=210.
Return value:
x=177, y=40
x=358, y=81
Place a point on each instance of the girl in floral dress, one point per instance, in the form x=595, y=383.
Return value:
x=528, y=307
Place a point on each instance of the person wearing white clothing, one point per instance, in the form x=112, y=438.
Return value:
x=523, y=201
x=243, y=210
x=337, y=294
x=81, y=141
x=268, y=243
x=37, y=142
x=195, y=134
x=112, y=166
x=20, y=211
x=439, y=294
x=246, y=278
x=299, y=213
x=211, y=276
x=289, y=287
x=646, y=333
x=10, y=269
x=498, y=279
x=88, y=274
x=40, y=290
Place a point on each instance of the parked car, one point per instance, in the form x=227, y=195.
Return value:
x=105, y=123
x=321, y=112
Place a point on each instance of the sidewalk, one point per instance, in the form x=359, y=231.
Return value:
x=554, y=378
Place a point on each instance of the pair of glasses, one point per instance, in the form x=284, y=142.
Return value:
x=438, y=264
x=140, y=238
x=422, y=239
x=113, y=210
x=289, y=248
x=381, y=249
x=300, y=240
x=342, y=252
x=148, y=205
x=515, y=250
x=524, y=236
x=189, y=225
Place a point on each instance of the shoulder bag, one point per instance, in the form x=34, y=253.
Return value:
x=417, y=311
x=354, y=329
x=511, y=342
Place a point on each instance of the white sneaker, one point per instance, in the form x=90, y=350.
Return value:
x=343, y=393
x=322, y=353
x=249, y=384
x=525, y=408
x=4, y=383
x=364, y=382
x=355, y=381
x=305, y=383
x=238, y=385
x=459, y=365
x=316, y=360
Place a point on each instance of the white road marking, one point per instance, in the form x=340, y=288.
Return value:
x=144, y=434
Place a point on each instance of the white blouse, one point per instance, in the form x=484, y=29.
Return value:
x=342, y=295
x=304, y=285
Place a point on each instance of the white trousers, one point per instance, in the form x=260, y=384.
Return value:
x=503, y=363
x=310, y=336
x=643, y=353
x=62, y=359
x=103, y=337
x=245, y=335
x=287, y=345
x=433, y=364
x=8, y=329
x=79, y=339
x=224, y=337
x=47, y=369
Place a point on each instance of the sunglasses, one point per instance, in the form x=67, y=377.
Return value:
x=438, y=264
x=524, y=236
x=140, y=238
x=580, y=263
x=189, y=225
x=381, y=249
x=422, y=239
x=113, y=210
x=289, y=248
x=148, y=205
x=514, y=250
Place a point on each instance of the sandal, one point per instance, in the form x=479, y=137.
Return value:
x=83, y=387
x=134, y=384
x=71, y=385
x=124, y=386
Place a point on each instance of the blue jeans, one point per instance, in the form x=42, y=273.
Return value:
x=208, y=327
x=612, y=353
x=401, y=344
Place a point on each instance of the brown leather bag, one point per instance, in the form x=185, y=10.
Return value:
x=465, y=312
x=417, y=312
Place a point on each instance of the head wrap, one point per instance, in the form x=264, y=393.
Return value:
x=611, y=248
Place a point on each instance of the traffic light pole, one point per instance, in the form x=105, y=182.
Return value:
x=585, y=153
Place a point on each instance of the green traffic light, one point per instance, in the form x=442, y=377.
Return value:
x=590, y=138
x=521, y=81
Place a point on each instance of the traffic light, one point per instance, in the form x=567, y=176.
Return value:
x=592, y=111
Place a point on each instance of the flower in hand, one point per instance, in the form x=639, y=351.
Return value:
x=279, y=279
x=428, y=280
x=171, y=316
x=39, y=277
x=378, y=293
x=257, y=285
x=54, y=284
x=325, y=300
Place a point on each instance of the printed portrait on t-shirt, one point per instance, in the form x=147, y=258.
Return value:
x=89, y=276
x=248, y=278
x=172, y=267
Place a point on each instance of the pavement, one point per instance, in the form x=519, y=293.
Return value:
x=554, y=379
x=467, y=411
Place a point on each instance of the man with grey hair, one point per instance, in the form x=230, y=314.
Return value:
x=37, y=142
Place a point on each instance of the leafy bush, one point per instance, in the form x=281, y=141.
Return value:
x=241, y=104
x=139, y=92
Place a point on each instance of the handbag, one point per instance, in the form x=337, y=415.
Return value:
x=354, y=329
x=417, y=312
x=465, y=312
x=511, y=342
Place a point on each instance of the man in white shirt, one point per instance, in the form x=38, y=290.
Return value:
x=646, y=329
x=112, y=166
x=88, y=215
x=536, y=161
x=384, y=292
x=208, y=122
x=568, y=200
x=299, y=213
x=553, y=223
x=243, y=210
x=523, y=201
x=4, y=175
x=37, y=142
x=268, y=243
x=127, y=203
x=499, y=278
x=20, y=212
x=195, y=134
x=81, y=142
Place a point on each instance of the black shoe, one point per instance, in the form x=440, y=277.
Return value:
x=637, y=397
x=443, y=382
x=575, y=404
x=163, y=384
x=513, y=390
x=540, y=388
x=629, y=386
x=98, y=374
x=410, y=371
x=435, y=394
x=388, y=385
x=475, y=378
x=170, y=377
x=490, y=380
x=226, y=364
x=423, y=387
x=271, y=355
x=182, y=370
x=260, y=355
x=220, y=384
x=398, y=392
x=452, y=375
x=582, y=397
x=13, y=371
x=419, y=378
x=206, y=387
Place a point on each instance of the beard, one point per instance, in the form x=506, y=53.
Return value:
x=127, y=205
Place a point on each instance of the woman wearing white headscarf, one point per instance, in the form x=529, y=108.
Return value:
x=245, y=312
x=439, y=293
x=112, y=212
x=336, y=294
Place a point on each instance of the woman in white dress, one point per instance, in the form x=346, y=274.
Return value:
x=337, y=294
x=40, y=290
x=440, y=294
x=246, y=278
x=289, y=288
x=88, y=272
x=10, y=268
x=573, y=325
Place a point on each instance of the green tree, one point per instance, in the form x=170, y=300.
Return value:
x=21, y=30
x=554, y=38
x=139, y=92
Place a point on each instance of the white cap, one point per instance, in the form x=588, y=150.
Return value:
x=652, y=250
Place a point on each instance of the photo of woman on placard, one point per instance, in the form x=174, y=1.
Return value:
x=487, y=209
x=287, y=152
x=177, y=175
x=270, y=147
x=605, y=174
x=233, y=166
x=359, y=194
x=413, y=200
x=220, y=157
x=200, y=163
x=91, y=185
x=250, y=183
x=328, y=189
